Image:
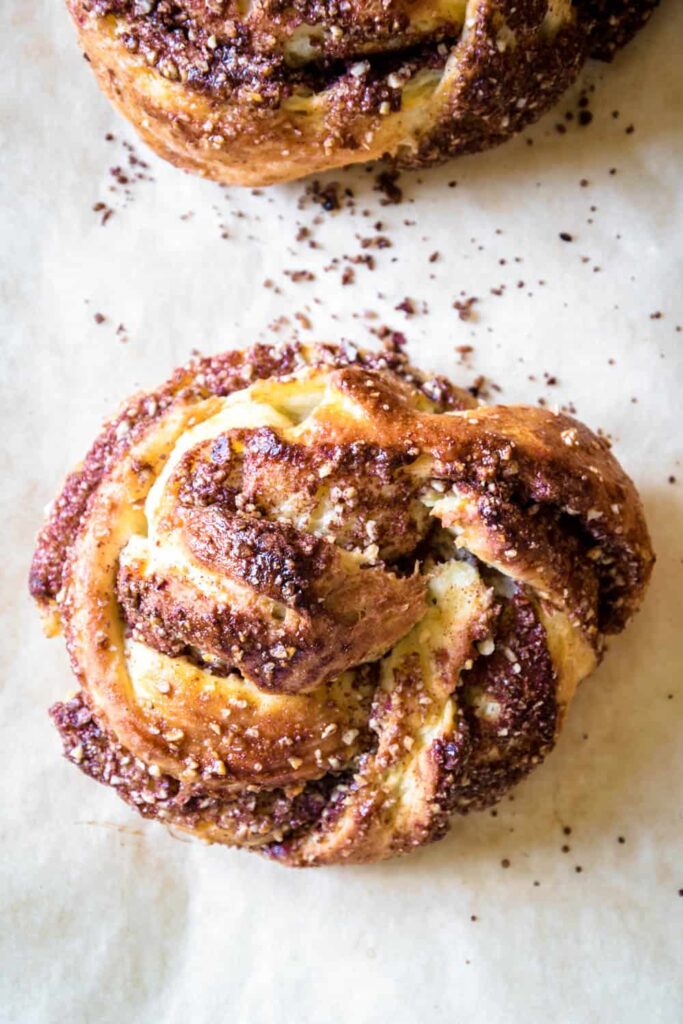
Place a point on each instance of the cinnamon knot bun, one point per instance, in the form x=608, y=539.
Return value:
x=317, y=601
x=253, y=92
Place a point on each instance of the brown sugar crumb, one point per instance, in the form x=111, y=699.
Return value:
x=119, y=175
x=348, y=275
x=566, y=237
x=362, y=260
x=99, y=318
x=279, y=323
x=434, y=257
x=124, y=176
x=304, y=321
x=376, y=242
x=505, y=863
x=657, y=315
x=407, y=306
x=464, y=307
x=327, y=197
x=105, y=210
x=386, y=183
x=395, y=340
x=299, y=275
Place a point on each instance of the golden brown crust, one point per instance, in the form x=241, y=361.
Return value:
x=274, y=90
x=327, y=608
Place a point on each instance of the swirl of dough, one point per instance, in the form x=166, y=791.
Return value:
x=257, y=91
x=317, y=601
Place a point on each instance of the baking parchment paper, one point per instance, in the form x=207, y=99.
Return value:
x=112, y=273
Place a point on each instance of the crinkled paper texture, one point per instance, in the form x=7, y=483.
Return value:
x=107, y=918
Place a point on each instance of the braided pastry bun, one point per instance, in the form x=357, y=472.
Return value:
x=253, y=93
x=317, y=601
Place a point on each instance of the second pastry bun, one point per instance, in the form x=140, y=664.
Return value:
x=269, y=91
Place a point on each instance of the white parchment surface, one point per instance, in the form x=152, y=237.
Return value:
x=108, y=919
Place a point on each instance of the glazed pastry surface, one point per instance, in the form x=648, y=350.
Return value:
x=253, y=92
x=317, y=601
